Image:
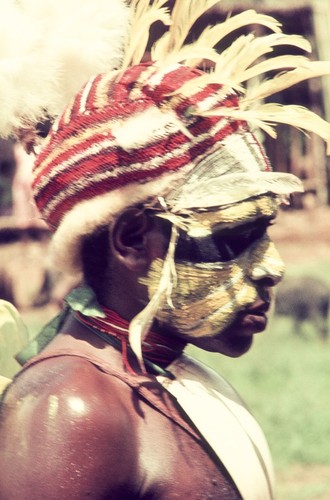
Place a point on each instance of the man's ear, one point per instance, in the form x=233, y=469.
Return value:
x=129, y=239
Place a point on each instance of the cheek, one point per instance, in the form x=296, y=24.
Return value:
x=205, y=300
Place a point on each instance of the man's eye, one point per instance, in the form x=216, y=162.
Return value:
x=235, y=242
x=220, y=246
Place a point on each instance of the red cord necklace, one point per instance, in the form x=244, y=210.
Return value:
x=158, y=349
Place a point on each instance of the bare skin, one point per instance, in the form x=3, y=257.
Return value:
x=70, y=430
x=76, y=432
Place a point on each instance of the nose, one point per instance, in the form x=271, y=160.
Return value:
x=266, y=264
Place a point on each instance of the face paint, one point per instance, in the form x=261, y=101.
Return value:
x=203, y=223
x=207, y=295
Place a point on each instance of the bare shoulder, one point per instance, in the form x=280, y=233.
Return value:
x=68, y=388
x=73, y=423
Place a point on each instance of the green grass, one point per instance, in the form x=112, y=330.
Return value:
x=285, y=381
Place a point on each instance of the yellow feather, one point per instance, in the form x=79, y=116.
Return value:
x=193, y=86
x=143, y=16
x=231, y=57
x=266, y=114
x=240, y=114
x=184, y=14
x=247, y=49
x=285, y=80
x=275, y=63
x=214, y=34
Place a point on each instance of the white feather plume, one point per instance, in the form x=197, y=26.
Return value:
x=48, y=49
x=143, y=15
x=141, y=323
x=265, y=116
x=167, y=53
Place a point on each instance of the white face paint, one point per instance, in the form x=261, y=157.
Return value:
x=219, y=273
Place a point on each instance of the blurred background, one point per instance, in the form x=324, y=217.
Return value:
x=284, y=377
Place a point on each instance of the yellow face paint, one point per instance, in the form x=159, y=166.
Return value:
x=201, y=223
x=261, y=206
x=207, y=296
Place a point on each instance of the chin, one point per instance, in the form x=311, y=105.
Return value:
x=231, y=346
x=233, y=341
x=236, y=339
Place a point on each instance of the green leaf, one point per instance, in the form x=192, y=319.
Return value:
x=83, y=299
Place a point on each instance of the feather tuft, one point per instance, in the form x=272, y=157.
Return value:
x=264, y=115
x=211, y=36
x=247, y=49
x=143, y=15
x=284, y=80
x=184, y=15
x=60, y=45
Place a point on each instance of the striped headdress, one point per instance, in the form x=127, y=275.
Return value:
x=119, y=144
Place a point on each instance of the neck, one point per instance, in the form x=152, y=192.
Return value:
x=158, y=349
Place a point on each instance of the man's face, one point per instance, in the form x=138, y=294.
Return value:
x=225, y=268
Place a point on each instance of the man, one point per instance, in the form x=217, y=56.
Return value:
x=159, y=197
x=87, y=427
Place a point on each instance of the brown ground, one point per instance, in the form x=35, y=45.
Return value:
x=303, y=235
x=304, y=482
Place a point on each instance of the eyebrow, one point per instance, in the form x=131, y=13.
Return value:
x=222, y=245
x=241, y=227
x=246, y=211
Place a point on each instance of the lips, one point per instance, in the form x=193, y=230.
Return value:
x=260, y=307
x=254, y=319
x=237, y=338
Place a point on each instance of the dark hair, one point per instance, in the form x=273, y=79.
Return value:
x=95, y=258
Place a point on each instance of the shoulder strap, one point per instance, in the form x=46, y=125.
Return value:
x=225, y=423
x=146, y=386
